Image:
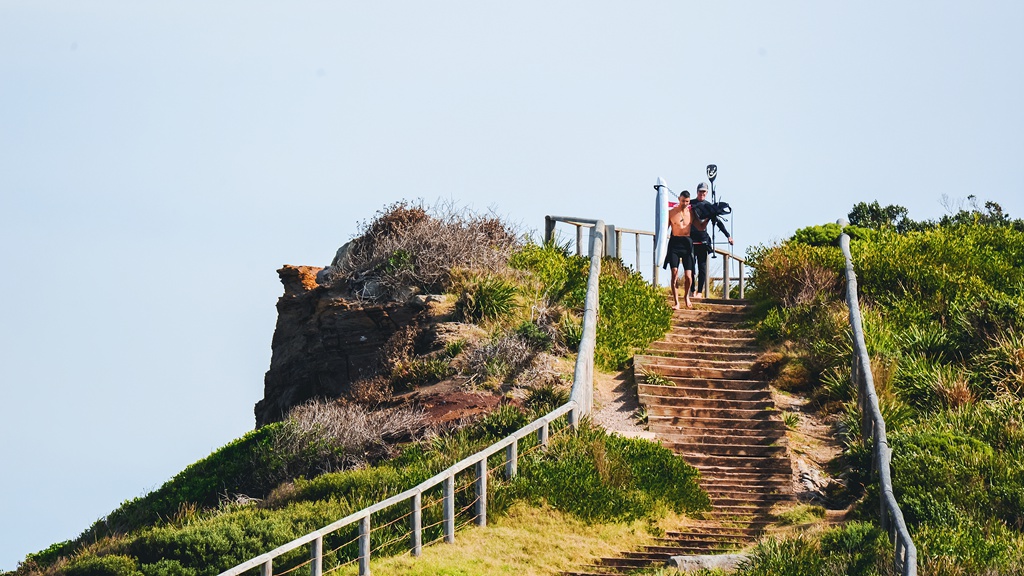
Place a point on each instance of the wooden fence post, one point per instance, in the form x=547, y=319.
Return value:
x=449, y=509
x=316, y=555
x=725, y=276
x=481, y=492
x=417, y=524
x=364, y=546
x=512, y=460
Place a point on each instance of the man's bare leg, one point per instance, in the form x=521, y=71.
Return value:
x=675, y=291
x=688, y=282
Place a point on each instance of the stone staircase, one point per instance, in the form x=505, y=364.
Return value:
x=703, y=402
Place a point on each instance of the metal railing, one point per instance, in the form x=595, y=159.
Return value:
x=613, y=247
x=580, y=403
x=872, y=426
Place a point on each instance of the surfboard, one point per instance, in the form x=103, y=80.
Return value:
x=661, y=222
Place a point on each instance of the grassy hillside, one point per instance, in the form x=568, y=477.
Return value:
x=943, y=306
x=589, y=476
x=330, y=459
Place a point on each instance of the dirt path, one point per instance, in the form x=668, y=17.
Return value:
x=616, y=405
x=813, y=450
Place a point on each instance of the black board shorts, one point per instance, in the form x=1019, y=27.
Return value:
x=680, y=248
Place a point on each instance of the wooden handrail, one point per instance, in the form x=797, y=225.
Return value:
x=872, y=425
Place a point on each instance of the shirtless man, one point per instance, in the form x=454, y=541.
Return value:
x=680, y=248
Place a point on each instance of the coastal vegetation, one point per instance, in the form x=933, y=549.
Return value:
x=327, y=459
x=943, y=311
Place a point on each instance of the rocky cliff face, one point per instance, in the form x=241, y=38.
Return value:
x=323, y=342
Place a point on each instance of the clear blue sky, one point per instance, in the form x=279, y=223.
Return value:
x=160, y=160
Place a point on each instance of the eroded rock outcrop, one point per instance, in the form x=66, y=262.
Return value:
x=324, y=341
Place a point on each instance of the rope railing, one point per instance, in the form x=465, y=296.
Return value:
x=872, y=426
x=580, y=404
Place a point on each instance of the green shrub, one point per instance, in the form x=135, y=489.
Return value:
x=110, y=565
x=419, y=371
x=964, y=548
x=632, y=315
x=632, y=312
x=571, y=330
x=622, y=478
x=793, y=273
x=240, y=467
x=503, y=421
x=52, y=553
x=533, y=334
x=167, y=568
x=855, y=549
x=546, y=398
x=560, y=277
x=828, y=234
x=1003, y=363
x=487, y=298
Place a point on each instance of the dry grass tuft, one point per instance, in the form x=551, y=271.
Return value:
x=408, y=247
x=499, y=361
x=372, y=391
x=1005, y=359
x=953, y=387
x=338, y=436
x=768, y=365
x=794, y=377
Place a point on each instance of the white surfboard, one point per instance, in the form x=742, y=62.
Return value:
x=661, y=222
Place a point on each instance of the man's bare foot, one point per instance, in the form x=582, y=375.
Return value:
x=676, y=307
x=689, y=305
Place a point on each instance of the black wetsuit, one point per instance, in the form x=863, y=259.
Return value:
x=702, y=247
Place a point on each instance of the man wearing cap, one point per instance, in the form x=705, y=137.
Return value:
x=702, y=241
x=680, y=249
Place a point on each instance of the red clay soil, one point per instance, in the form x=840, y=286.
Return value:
x=447, y=402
